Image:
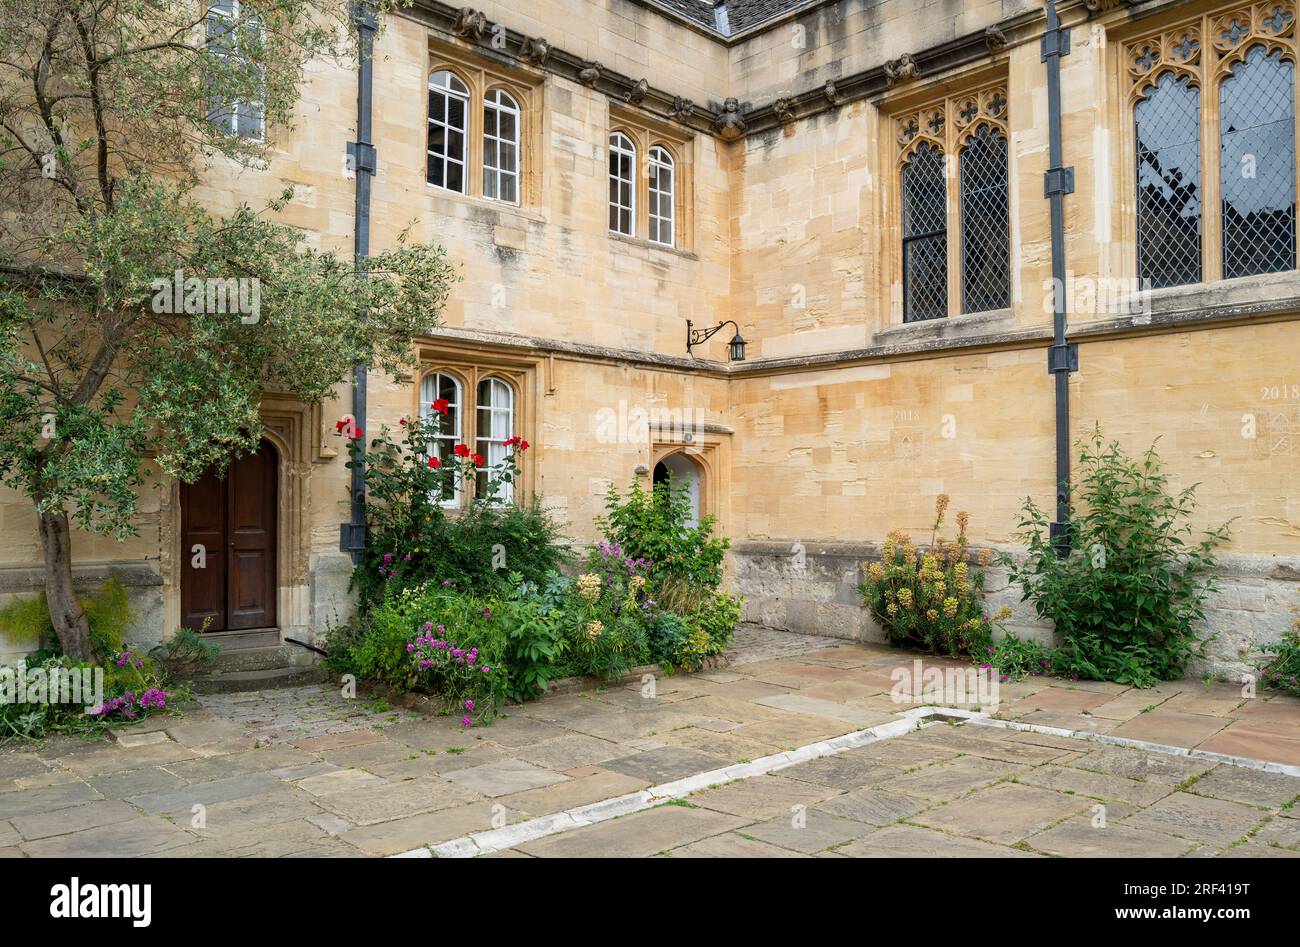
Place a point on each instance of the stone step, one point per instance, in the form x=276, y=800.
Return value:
x=254, y=659
x=244, y=640
x=257, y=680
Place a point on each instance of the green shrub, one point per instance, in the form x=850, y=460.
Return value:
x=929, y=599
x=654, y=525
x=413, y=539
x=1282, y=670
x=1127, y=599
x=1014, y=658
x=185, y=654
x=108, y=612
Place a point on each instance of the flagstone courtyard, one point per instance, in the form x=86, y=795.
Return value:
x=305, y=772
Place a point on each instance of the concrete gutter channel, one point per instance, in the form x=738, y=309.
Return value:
x=510, y=836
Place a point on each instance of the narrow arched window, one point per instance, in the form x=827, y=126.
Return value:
x=1167, y=132
x=448, y=124
x=436, y=387
x=662, y=187
x=925, y=235
x=495, y=423
x=1257, y=165
x=622, y=184
x=985, y=222
x=500, y=147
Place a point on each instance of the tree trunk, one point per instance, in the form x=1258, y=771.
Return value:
x=66, y=613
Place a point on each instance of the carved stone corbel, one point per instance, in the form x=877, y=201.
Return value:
x=784, y=110
x=535, y=50
x=900, y=70
x=589, y=73
x=470, y=23
x=682, y=109
x=729, y=124
x=636, y=94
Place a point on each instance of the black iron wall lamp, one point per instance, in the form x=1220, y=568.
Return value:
x=735, y=348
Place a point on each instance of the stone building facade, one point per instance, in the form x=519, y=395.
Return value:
x=858, y=185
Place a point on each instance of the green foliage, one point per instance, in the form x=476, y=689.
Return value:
x=1014, y=658
x=185, y=654
x=929, y=599
x=413, y=539
x=655, y=525
x=111, y=216
x=108, y=613
x=1127, y=600
x=1282, y=670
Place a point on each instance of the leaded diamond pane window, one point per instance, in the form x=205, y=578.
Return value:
x=1167, y=125
x=1257, y=165
x=985, y=226
x=925, y=236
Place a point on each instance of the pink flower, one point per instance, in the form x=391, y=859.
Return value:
x=466, y=722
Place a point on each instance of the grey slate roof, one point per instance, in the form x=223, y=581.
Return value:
x=728, y=17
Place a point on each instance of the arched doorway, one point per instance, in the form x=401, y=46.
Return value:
x=229, y=550
x=682, y=470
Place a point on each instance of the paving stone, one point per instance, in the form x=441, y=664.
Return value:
x=794, y=730
x=338, y=781
x=1078, y=838
x=120, y=839
x=272, y=810
x=1252, y=850
x=14, y=765
x=430, y=828
x=1171, y=727
x=842, y=771
x=74, y=819
x=262, y=760
x=8, y=834
x=45, y=800
x=336, y=741
x=128, y=739
x=904, y=752
x=380, y=802
x=1097, y=785
x=1284, y=832
x=665, y=764
x=761, y=797
x=519, y=731
x=749, y=689
x=905, y=841
x=808, y=831
x=1057, y=700
x=180, y=801
x=729, y=746
x=1129, y=704
x=944, y=781
x=1139, y=764
x=569, y=752
x=1215, y=821
x=816, y=707
x=1005, y=813
x=505, y=777
x=620, y=727
x=135, y=782
x=977, y=741
x=42, y=780
x=300, y=839
x=115, y=759
x=733, y=845
x=581, y=791
x=1277, y=709
x=713, y=707
x=641, y=834
x=873, y=806
x=1258, y=740
x=1249, y=786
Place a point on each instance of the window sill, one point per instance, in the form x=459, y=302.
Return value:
x=480, y=203
x=954, y=328
x=643, y=244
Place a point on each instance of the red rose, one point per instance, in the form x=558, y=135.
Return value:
x=356, y=436
x=435, y=463
x=340, y=425
x=402, y=422
x=523, y=445
x=477, y=458
x=440, y=405
x=461, y=450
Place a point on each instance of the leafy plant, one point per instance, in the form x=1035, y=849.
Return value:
x=655, y=525
x=186, y=653
x=413, y=539
x=108, y=615
x=1014, y=658
x=1282, y=670
x=931, y=598
x=1127, y=600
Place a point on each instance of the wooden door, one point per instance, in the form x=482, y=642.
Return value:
x=233, y=520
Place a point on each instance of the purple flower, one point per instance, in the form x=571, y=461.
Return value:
x=469, y=705
x=466, y=722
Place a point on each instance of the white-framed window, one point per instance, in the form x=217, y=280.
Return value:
x=500, y=147
x=494, y=425
x=661, y=191
x=622, y=184
x=448, y=128
x=243, y=119
x=433, y=386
